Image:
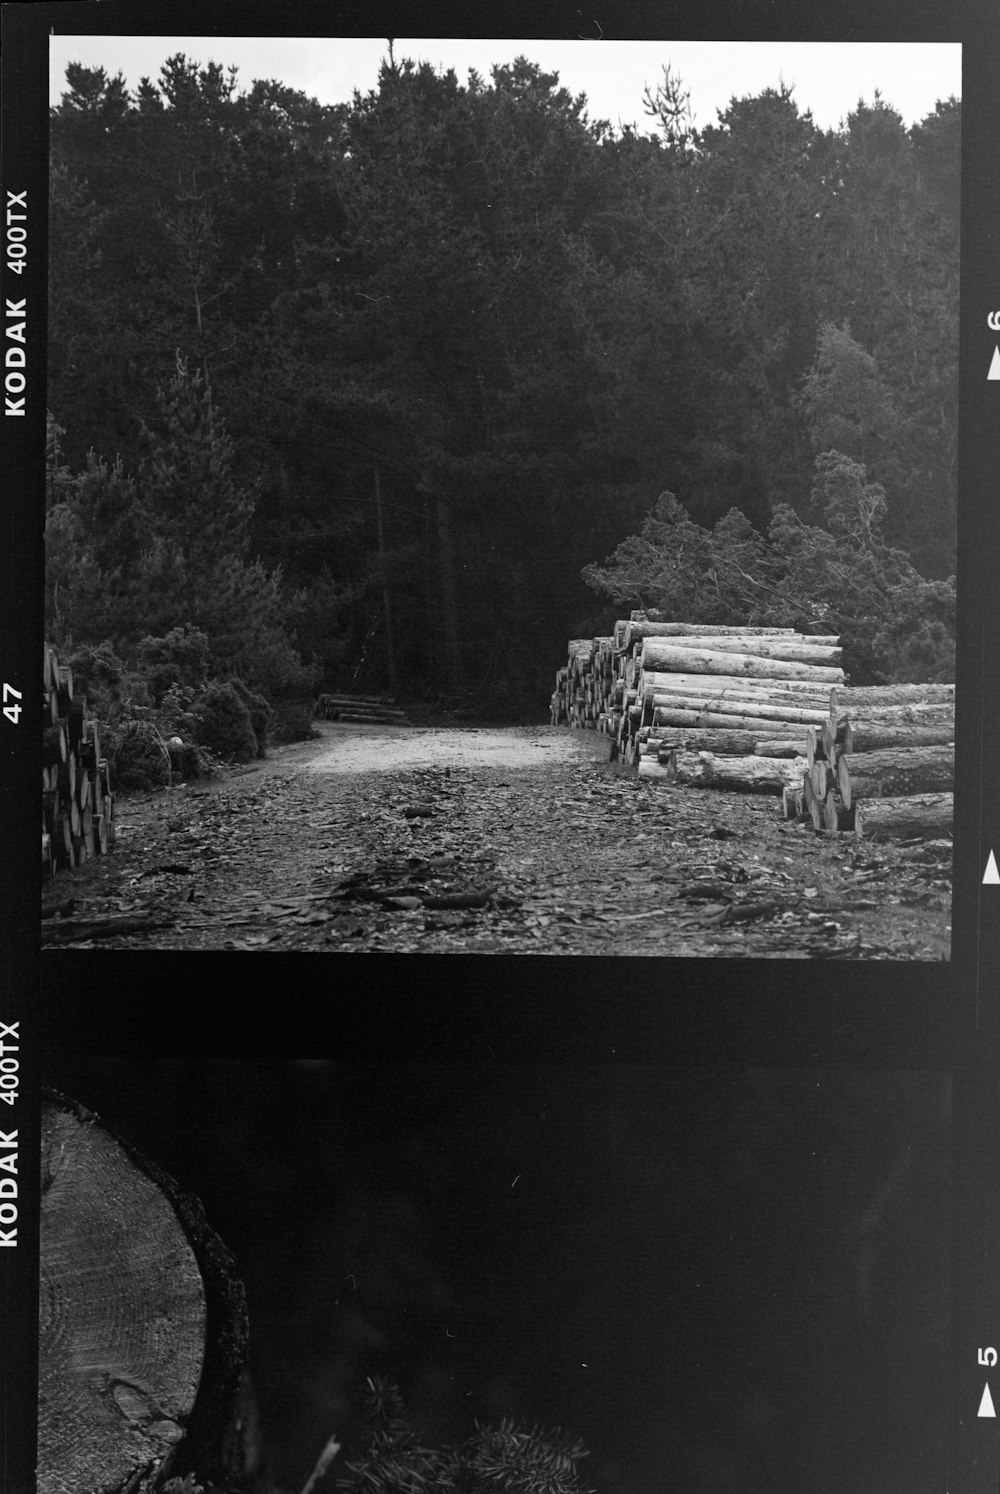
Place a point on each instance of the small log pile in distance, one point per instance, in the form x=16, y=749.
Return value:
x=370, y=710
x=765, y=710
x=585, y=688
x=78, y=807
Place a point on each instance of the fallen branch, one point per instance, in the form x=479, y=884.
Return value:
x=68, y=930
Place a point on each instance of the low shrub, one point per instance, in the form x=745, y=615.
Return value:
x=99, y=674
x=292, y=721
x=189, y=760
x=138, y=757
x=181, y=657
x=222, y=723
x=260, y=713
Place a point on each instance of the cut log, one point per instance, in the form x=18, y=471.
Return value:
x=906, y=818
x=792, y=649
x=826, y=742
x=64, y=688
x=638, y=628
x=694, y=739
x=67, y=776
x=836, y=736
x=804, y=692
x=865, y=697
x=90, y=748
x=789, y=747
x=664, y=716
x=838, y=818
x=895, y=773
x=754, y=775
x=62, y=841
x=650, y=767
x=143, y=1321
x=377, y=702
x=76, y=719
x=799, y=692
x=725, y=705
x=868, y=738
x=912, y=713
x=356, y=718
x=821, y=778
x=792, y=803
x=664, y=654
x=54, y=745
x=87, y=830
x=811, y=804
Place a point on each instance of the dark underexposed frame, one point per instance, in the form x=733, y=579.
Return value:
x=685, y=1013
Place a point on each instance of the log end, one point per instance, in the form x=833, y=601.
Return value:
x=136, y=1331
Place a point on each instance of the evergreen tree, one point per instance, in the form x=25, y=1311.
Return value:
x=837, y=575
x=134, y=557
x=845, y=402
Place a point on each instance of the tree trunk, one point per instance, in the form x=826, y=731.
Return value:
x=449, y=604
x=907, y=818
x=143, y=1322
x=753, y=775
x=893, y=773
x=667, y=655
x=390, y=653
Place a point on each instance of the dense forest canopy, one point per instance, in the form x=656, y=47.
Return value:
x=359, y=392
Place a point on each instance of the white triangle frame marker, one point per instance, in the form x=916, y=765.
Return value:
x=991, y=874
x=986, y=1404
x=994, y=372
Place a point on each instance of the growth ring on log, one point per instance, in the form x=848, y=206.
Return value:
x=126, y=1310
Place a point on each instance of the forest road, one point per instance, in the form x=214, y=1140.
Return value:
x=498, y=840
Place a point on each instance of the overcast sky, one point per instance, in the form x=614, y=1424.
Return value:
x=828, y=77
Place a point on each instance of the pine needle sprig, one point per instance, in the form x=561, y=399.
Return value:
x=504, y=1459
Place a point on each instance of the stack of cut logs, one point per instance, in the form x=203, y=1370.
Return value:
x=765, y=710
x=371, y=710
x=77, y=803
x=585, y=689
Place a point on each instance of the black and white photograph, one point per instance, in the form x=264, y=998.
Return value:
x=535, y=1278
x=512, y=509
x=501, y=496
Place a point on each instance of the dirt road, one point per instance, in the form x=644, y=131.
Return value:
x=491, y=841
